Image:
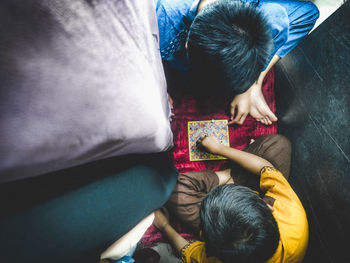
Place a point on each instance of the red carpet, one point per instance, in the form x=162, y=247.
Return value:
x=186, y=110
x=240, y=136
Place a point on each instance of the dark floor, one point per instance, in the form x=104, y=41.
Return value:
x=313, y=101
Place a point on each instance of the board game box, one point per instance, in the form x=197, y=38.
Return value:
x=196, y=129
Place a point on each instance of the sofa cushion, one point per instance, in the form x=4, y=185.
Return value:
x=80, y=81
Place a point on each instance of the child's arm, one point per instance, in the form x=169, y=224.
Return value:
x=224, y=176
x=189, y=252
x=162, y=223
x=250, y=162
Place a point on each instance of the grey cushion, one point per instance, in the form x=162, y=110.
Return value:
x=80, y=81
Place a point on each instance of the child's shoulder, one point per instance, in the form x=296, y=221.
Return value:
x=195, y=252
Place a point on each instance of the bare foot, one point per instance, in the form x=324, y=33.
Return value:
x=251, y=102
x=259, y=108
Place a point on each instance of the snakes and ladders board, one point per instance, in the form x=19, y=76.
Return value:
x=196, y=129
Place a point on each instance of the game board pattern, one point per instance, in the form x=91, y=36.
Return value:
x=196, y=129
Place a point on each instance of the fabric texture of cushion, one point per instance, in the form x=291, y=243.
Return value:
x=80, y=81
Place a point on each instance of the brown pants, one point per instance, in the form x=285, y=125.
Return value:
x=273, y=147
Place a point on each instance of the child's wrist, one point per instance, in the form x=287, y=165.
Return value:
x=164, y=226
x=220, y=148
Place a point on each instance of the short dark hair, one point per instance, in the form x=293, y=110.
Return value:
x=228, y=45
x=237, y=225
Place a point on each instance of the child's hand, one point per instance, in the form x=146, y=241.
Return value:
x=161, y=218
x=210, y=144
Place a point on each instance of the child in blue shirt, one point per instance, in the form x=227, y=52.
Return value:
x=231, y=44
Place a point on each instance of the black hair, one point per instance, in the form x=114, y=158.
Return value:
x=228, y=46
x=237, y=225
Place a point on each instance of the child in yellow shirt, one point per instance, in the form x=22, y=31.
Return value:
x=237, y=225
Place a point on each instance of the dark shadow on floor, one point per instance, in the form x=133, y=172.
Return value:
x=313, y=103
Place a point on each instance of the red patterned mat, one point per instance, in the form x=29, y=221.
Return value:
x=186, y=110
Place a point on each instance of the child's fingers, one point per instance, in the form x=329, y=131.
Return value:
x=230, y=121
x=240, y=117
x=243, y=117
x=232, y=112
x=200, y=140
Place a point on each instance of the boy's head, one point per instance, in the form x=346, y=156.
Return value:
x=237, y=225
x=228, y=46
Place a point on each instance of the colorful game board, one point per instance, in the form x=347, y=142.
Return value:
x=196, y=129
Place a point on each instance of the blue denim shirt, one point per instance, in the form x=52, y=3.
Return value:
x=289, y=21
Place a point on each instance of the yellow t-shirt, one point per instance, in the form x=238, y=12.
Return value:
x=289, y=215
